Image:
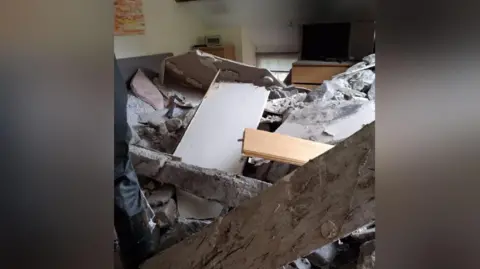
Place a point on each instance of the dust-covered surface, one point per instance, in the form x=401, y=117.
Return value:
x=329, y=122
x=249, y=237
x=335, y=110
x=153, y=129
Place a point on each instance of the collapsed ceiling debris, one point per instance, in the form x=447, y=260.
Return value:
x=189, y=148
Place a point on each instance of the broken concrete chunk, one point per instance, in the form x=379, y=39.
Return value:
x=325, y=92
x=348, y=94
x=152, y=138
x=167, y=214
x=329, y=122
x=226, y=188
x=173, y=124
x=154, y=118
x=162, y=195
x=277, y=92
x=271, y=119
x=362, y=80
x=370, y=59
x=139, y=154
x=279, y=106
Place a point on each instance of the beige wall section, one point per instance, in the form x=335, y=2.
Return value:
x=170, y=27
x=230, y=35
x=248, y=49
x=245, y=50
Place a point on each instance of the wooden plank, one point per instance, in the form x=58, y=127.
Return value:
x=328, y=198
x=211, y=139
x=281, y=148
x=315, y=74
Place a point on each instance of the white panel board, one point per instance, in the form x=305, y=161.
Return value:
x=211, y=139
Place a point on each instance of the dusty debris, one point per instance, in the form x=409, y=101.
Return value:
x=293, y=200
x=136, y=107
x=173, y=124
x=280, y=105
x=157, y=139
x=162, y=195
x=277, y=92
x=271, y=119
x=370, y=59
x=166, y=214
x=362, y=80
x=329, y=122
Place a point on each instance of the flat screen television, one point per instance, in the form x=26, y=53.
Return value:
x=325, y=41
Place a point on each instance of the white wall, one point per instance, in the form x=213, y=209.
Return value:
x=170, y=27
x=230, y=35
x=248, y=48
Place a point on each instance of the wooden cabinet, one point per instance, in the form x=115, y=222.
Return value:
x=227, y=51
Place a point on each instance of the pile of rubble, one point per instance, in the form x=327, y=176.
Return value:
x=187, y=143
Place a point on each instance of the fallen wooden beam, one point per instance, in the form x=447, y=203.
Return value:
x=327, y=198
x=225, y=188
x=281, y=148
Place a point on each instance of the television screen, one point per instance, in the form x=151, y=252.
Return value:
x=325, y=41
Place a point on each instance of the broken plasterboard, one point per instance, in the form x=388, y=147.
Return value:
x=198, y=69
x=211, y=139
x=281, y=148
x=146, y=90
x=328, y=122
